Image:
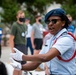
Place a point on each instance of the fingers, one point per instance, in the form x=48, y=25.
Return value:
x=15, y=49
x=12, y=60
x=12, y=54
x=13, y=63
x=17, y=55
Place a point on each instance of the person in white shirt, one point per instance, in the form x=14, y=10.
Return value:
x=60, y=48
x=28, y=34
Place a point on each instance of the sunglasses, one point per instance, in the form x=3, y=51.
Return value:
x=54, y=21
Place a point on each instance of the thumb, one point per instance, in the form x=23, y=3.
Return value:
x=12, y=60
x=14, y=65
x=15, y=49
x=12, y=54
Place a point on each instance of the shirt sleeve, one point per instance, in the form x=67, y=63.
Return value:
x=63, y=45
x=33, y=28
x=14, y=30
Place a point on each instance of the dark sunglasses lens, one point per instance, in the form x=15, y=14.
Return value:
x=54, y=21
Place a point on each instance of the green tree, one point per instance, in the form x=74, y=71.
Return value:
x=33, y=7
x=70, y=7
x=10, y=8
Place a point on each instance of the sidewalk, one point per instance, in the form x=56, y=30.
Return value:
x=5, y=58
x=5, y=54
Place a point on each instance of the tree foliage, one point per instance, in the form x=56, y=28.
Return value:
x=33, y=6
x=70, y=10
x=10, y=8
x=70, y=7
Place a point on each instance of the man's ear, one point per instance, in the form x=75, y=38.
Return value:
x=63, y=23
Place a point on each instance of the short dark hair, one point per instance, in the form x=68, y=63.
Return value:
x=36, y=16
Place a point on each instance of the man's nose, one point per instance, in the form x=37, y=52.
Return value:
x=50, y=23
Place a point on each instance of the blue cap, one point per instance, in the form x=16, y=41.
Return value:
x=57, y=12
x=27, y=18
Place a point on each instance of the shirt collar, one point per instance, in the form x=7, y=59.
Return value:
x=61, y=32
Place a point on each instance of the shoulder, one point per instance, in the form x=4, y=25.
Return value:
x=29, y=25
x=71, y=26
x=34, y=25
x=14, y=27
x=48, y=36
x=41, y=24
x=14, y=24
x=65, y=38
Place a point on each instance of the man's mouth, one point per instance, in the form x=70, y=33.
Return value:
x=51, y=28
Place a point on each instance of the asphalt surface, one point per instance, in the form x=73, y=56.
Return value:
x=5, y=54
x=6, y=59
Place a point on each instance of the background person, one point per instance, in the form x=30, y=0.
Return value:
x=17, y=37
x=28, y=34
x=71, y=27
x=37, y=35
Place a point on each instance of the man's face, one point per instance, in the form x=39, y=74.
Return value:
x=21, y=16
x=39, y=18
x=55, y=24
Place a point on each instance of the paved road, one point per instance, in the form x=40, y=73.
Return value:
x=5, y=54
x=5, y=58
